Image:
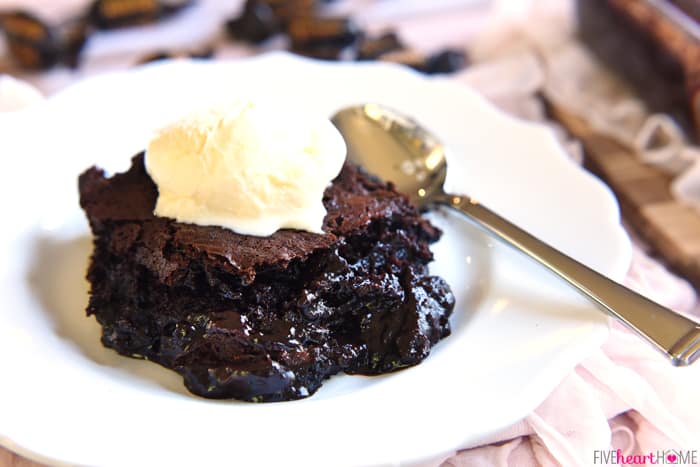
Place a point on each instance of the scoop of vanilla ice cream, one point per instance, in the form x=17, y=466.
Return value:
x=254, y=168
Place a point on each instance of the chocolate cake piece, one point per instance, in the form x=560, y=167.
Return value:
x=264, y=318
x=653, y=44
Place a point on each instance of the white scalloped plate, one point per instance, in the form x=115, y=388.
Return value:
x=517, y=330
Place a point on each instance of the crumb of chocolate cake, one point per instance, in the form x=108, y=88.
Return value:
x=264, y=318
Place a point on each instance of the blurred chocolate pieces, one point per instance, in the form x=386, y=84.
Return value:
x=31, y=43
x=326, y=52
x=332, y=38
x=446, y=61
x=269, y=16
x=257, y=23
x=371, y=48
x=113, y=14
x=287, y=10
x=35, y=45
x=386, y=48
x=313, y=31
x=261, y=19
x=170, y=55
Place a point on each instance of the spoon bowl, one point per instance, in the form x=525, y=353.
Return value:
x=395, y=148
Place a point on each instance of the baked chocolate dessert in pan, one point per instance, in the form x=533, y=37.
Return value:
x=655, y=45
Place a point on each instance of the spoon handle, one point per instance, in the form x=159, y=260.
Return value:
x=675, y=335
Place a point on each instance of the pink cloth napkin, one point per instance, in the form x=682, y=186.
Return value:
x=624, y=397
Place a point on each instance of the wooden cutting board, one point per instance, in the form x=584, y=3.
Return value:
x=671, y=228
